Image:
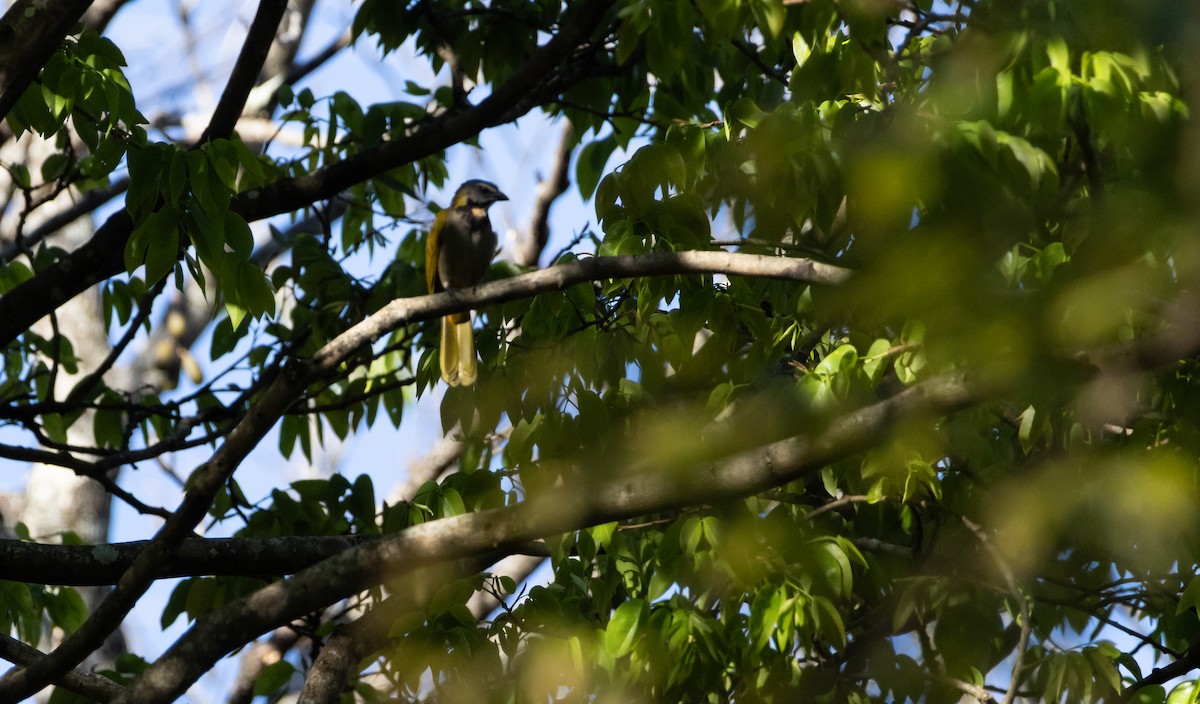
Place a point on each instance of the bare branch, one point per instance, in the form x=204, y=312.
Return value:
x=83, y=389
x=516, y=567
x=350, y=643
x=530, y=247
x=246, y=71
x=975, y=691
x=444, y=453
x=836, y=504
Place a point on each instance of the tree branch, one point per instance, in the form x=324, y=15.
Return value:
x=529, y=249
x=561, y=276
x=91, y=565
x=1190, y=661
x=101, y=13
x=291, y=194
x=258, y=656
x=30, y=33
x=83, y=389
x=246, y=71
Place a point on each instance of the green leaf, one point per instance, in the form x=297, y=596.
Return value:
x=54, y=166
x=176, y=603
x=876, y=361
x=840, y=361
x=589, y=167
x=273, y=678
x=912, y=361
x=602, y=534
x=362, y=499
x=765, y=612
x=154, y=243
x=829, y=620
x=624, y=627
x=1103, y=668
x=237, y=235
x=236, y=312
x=1190, y=598
x=1184, y=693
x=66, y=609
x=1027, y=432
x=746, y=113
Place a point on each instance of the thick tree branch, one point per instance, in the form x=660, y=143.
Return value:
x=30, y=32
x=90, y=565
x=638, y=491
x=102, y=256
x=406, y=310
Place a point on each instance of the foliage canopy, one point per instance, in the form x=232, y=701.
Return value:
x=872, y=380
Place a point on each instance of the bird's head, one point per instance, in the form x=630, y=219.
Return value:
x=477, y=194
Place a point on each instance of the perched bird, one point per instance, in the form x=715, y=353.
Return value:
x=458, y=252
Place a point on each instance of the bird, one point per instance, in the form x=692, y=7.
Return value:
x=458, y=253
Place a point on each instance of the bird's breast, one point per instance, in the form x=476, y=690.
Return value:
x=468, y=244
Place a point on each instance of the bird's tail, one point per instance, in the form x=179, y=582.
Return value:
x=459, y=367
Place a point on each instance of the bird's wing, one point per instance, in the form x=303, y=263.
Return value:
x=433, y=247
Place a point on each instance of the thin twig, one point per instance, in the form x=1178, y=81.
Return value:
x=751, y=53
x=86, y=204
x=1014, y=588
x=85, y=386
x=836, y=504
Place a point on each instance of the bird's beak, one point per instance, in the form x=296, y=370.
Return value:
x=499, y=196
